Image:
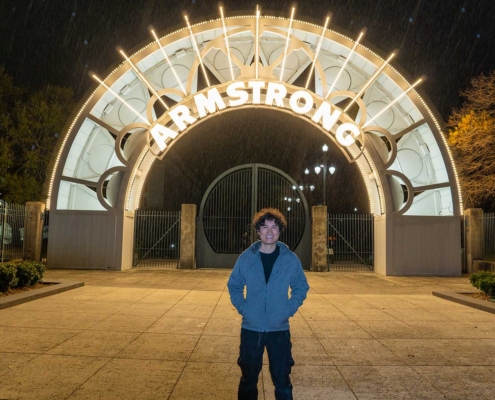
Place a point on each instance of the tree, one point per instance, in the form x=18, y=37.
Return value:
x=29, y=129
x=471, y=136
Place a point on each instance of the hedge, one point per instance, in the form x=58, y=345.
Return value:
x=484, y=281
x=17, y=275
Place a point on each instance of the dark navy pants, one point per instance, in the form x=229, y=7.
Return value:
x=250, y=360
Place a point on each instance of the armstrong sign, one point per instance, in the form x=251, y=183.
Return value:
x=254, y=92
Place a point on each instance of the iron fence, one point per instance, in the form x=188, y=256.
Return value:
x=156, y=239
x=12, y=231
x=350, y=242
x=489, y=236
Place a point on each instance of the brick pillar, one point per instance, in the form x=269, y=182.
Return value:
x=473, y=224
x=33, y=230
x=188, y=237
x=319, y=239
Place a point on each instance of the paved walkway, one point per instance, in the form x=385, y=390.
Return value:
x=171, y=334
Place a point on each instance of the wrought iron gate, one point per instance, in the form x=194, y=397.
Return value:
x=224, y=222
x=350, y=242
x=156, y=239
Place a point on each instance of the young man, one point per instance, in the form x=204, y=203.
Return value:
x=267, y=270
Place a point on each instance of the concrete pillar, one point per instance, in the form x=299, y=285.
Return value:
x=127, y=249
x=319, y=237
x=188, y=237
x=33, y=230
x=473, y=228
x=382, y=249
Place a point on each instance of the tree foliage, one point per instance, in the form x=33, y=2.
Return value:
x=30, y=124
x=471, y=136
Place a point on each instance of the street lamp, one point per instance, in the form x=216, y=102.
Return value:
x=323, y=167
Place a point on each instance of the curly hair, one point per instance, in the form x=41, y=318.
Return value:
x=270, y=214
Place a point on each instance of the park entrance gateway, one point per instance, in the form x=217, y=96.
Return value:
x=356, y=98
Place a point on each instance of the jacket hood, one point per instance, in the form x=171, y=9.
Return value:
x=255, y=247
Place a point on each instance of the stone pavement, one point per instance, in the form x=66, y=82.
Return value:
x=172, y=334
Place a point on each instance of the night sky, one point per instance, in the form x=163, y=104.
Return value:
x=59, y=41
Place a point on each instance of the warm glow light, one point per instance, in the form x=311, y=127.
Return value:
x=325, y=148
x=391, y=104
x=141, y=187
x=345, y=64
x=306, y=171
x=287, y=42
x=168, y=61
x=227, y=43
x=120, y=98
x=317, y=169
x=317, y=52
x=139, y=176
x=196, y=48
x=143, y=79
x=257, y=42
x=372, y=79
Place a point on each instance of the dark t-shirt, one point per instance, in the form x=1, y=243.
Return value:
x=268, y=260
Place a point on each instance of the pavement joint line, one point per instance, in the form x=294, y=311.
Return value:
x=116, y=356
x=196, y=345
x=333, y=362
x=98, y=370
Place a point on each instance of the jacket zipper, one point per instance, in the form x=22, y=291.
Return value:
x=266, y=288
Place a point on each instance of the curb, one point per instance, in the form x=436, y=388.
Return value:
x=19, y=298
x=458, y=297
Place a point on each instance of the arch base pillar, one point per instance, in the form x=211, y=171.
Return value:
x=90, y=240
x=417, y=245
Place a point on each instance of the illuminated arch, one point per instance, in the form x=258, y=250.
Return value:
x=104, y=157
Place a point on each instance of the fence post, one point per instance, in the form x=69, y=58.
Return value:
x=33, y=230
x=188, y=236
x=319, y=238
x=473, y=220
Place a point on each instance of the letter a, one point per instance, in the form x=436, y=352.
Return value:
x=161, y=133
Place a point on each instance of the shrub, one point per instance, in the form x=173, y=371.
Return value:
x=477, y=277
x=41, y=268
x=16, y=275
x=487, y=285
x=27, y=274
x=8, y=276
x=484, y=281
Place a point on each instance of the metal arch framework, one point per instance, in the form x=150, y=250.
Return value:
x=107, y=151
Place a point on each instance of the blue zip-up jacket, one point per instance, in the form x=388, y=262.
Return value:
x=267, y=306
